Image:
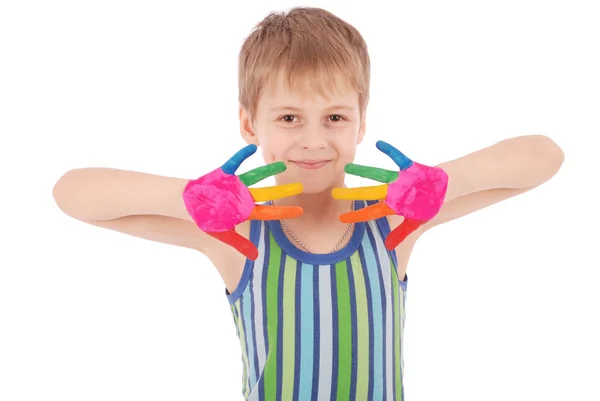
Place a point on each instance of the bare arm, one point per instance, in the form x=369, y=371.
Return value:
x=506, y=169
x=105, y=194
x=139, y=204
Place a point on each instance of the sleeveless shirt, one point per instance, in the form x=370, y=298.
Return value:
x=321, y=326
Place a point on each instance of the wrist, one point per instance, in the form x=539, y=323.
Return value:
x=173, y=202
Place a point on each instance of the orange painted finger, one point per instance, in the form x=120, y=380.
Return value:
x=238, y=242
x=362, y=193
x=372, y=212
x=260, y=212
x=398, y=234
x=276, y=192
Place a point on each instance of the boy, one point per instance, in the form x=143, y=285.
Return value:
x=320, y=311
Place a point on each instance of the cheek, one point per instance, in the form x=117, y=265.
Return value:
x=347, y=150
x=274, y=148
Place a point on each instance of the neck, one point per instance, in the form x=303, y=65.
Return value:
x=319, y=207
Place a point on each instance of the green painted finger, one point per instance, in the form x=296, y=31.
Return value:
x=374, y=173
x=260, y=173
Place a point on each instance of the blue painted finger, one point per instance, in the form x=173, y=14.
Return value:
x=398, y=157
x=231, y=165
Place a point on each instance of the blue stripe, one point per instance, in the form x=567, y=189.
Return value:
x=253, y=330
x=298, y=329
x=317, y=332
x=354, y=332
x=381, y=339
x=335, y=333
x=280, y=303
x=306, y=319
x=372, y=328
x=394, y=334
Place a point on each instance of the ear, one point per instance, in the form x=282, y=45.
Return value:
x=246, y=127
x=362, y=129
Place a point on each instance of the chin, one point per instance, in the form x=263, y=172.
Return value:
x=316, y=185
x=314, y=188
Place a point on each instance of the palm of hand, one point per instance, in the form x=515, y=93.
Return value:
x=418, y=192
x=220, y=200
x=415, y=192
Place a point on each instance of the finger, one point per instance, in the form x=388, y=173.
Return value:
x=277, y=192
x=238, y=242
x=275, y=212
x=231, y=165
x=398, y=234
x=361, y=193
x=374, y=173
x=372, y=212
x=398, y=157
x=260, y=173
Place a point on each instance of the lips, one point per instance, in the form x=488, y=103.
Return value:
x=310, y=164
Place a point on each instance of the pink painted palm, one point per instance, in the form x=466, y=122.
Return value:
x=415, y=192
x=220, y=200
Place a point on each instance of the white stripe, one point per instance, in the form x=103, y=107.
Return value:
x=325, y=329
x=258, y=310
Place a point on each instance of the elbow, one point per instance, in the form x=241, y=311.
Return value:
x=554, y=156
x=58, y=193
x=62, y=192
x=547, y=156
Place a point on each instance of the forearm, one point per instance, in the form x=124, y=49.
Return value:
x=106, y=194
x=520, y=162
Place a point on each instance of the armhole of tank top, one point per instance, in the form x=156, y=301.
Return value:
x=384, y=228
x=255, y=227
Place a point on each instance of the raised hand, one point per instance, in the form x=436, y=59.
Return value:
x=416, y=192
x=220, y=200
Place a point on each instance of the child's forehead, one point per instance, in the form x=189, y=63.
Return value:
x=281, y=93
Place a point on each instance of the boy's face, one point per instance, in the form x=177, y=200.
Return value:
x=315, y=136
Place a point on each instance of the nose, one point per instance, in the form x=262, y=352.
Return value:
x=314, y=138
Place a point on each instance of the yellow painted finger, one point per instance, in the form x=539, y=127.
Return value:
x=362, y=193
x=276, y=192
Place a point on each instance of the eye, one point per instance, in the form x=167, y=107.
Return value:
x=336, y=117
x=288, y=118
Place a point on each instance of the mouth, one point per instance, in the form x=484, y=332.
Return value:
x=310, y=164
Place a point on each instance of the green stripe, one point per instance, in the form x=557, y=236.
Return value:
x=270, y=372
x=397, y=378
x=289, y=329
x=344, y=330
x=362, y=323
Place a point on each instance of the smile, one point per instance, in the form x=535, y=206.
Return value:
x=310, y=164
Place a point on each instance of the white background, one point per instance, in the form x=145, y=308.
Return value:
x=502, y=304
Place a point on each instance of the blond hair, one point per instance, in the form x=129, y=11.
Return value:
x=311, y=48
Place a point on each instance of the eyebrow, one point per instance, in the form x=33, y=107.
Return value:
x=336, y=107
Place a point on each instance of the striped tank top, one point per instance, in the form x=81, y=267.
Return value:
x=321, y=326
